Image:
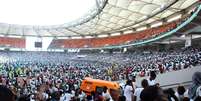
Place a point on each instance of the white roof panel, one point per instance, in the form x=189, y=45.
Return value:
x=115, y=15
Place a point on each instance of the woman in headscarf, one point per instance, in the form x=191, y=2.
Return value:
x=196, y=84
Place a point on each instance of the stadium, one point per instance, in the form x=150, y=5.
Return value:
x=100, y=50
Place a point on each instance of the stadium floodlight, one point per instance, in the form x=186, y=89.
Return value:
x=102, y=35
x=43, y=12
x=128, y=32
x=141, y=28
x=174, y=18
x=156, y=24
x=76, y=37
x=116, y=34
x=88, y=36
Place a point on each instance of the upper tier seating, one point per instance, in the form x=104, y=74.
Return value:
x=113, y=40
x=12, y=42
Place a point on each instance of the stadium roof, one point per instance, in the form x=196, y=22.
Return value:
x=107, y=16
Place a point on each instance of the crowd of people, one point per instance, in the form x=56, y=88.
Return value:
x=150, y=90
x=41, y=76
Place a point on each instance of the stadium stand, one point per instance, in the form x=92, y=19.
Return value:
x=113, y=40
x=28, y=70
x=163, y=69
x=12, y=42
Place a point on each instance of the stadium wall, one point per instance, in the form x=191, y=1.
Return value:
x=174, y=78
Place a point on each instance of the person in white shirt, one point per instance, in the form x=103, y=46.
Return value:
x=32, y=98
x=128, y=90
x=151, y=80
x=106, y=94
x=67, y=96
x=181, y=93
x=45, y=95
x=138, y=91
x=133, y=82
x=81, y=95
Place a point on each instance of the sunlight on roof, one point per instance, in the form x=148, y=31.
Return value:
x=43, y=12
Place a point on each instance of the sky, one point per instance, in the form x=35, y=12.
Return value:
x=43, y=12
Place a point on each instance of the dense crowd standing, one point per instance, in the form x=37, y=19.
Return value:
x=53, y=76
